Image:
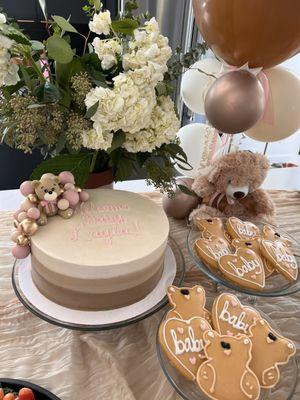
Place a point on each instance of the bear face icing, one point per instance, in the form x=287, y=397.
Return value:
x=47, y=188
x=188, y=302
x=226, y=348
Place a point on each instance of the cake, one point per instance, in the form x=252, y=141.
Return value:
x=110, y=254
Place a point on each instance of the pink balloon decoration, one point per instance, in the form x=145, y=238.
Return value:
x=20, y=252
x=33, y=213
x=69, y=186
x=26, y=188
x=84, y=196
x=72, y=197
x=15, y=235
x=66, y=177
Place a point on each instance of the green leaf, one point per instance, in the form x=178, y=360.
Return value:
x=78, y=164
x=64, y=24
x=126, y=26
x=59, y=50
x=14, y=34
x=36, y=45
x=47, y=93
x=92, y=110
x=7, y=91
x=60, y=143
x=97, y=5
x=187, y=191
x=27, y=79
x=118, y=139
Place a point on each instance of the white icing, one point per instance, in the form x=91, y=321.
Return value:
x=245, y=230
x=236, y=321
x=219, y=252
x=248, y=266
x=188, y=344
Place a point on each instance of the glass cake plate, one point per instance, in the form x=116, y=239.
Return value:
x=42, y=307
x=189, y=390
x=276, y=285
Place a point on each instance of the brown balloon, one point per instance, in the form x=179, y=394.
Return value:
x=181, y=205
x=263, y=33
x=235, y=102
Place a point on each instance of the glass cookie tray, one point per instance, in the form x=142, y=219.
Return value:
x=35, y=302
x=276, y=285
x=189, y=390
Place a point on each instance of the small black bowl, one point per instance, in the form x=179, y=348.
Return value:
x=17, y=384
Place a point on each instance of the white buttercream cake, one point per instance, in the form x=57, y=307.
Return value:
x=109, y=254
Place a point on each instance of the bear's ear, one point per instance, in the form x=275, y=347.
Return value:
x=210, y=336
x=56, y=179
x=35, y=183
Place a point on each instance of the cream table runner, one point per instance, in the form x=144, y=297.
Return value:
x=119, y=364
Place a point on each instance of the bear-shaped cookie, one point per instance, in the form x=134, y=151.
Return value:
x=188, y=302
x=269, y=350
x=226, y=374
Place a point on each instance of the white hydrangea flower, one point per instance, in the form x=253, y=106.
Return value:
x=96, y=140
x=8, y=70
x=101, y=23
x=2, y=18
x=107, y=50
x=163, y=128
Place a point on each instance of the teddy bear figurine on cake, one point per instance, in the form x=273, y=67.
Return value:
x=49, y=196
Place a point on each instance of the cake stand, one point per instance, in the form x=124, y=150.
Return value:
x=189, y=390
x=42, y=307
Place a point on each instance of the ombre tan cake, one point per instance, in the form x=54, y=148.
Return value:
x=109, y=254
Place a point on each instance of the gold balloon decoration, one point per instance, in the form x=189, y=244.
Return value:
x=29, y=226
x=32, y=198
x=23, y=240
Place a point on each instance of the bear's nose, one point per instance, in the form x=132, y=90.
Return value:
x=50, y=192
x=239, y=195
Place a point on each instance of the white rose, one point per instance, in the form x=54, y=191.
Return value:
x=2, y=18
x=101, y=23
x=107, y=51
x=152, y=25
x=96, y=140
x=108, y=61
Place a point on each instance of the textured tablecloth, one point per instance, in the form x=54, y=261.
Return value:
x=119, y=364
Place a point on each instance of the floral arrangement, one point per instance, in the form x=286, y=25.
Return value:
x=109, y=107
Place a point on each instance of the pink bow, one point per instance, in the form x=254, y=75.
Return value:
x=44, y=203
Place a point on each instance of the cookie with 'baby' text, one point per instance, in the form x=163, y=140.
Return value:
x=281, y=257
x=226, y=374
x=244, y=268
x=188, y=302
x=239, y=229
x=230, y=317
x=182, y=342
x=210, y=250
x=255, y=245
x=269, y=349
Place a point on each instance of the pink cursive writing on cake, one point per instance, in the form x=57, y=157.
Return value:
x=104, y=222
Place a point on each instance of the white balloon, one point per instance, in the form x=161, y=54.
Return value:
x=200, y=142
x=195, y=84
x=282, y=115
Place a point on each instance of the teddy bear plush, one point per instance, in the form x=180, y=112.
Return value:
x=232, y=188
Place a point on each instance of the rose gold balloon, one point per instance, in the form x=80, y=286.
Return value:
x=263, y=33
x=235, y=102
x=181, y=205
x=23, y=240
x=29, y=226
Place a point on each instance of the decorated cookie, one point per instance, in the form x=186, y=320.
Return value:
x=239, y=229
x=268, y=351
x=269, y=233
x=226, y=374
x=182, y=341
x=244, y=268
x=255, y=245
x=210, y=250
x=212, y=227
x=281, y=257
x=188, y=302
x=230, y=317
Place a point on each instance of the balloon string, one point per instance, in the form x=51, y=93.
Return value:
x=268, y=116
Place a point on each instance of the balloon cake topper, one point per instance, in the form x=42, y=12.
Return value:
x=49, y=196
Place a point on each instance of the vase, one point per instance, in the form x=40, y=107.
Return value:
x=103, y=180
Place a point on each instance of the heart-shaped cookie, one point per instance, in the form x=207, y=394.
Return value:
x=268, y=233
x=281, y=257
x=239, y=229
x=182, y=341
x=244, y=268
x=210, y=250
x=230, y=317
x=255, y=245
x=212, y=227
